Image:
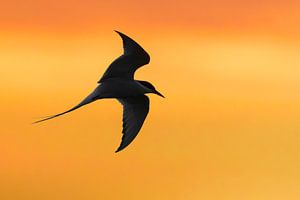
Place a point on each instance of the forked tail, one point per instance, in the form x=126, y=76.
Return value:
x=89, y=99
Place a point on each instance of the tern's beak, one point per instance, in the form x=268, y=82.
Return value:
x=158, y=93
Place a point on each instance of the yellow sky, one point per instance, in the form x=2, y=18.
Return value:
x=228, y=128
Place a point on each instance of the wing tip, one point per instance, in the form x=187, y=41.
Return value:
x=120, y=33
x=132, y=47
x=119, y=149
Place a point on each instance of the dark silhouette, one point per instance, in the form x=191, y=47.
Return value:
x=118, y=82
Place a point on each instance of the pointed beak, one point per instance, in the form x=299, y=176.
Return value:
x=159, y=94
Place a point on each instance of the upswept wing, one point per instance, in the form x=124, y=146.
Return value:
x=135, y=110
x=134, y=56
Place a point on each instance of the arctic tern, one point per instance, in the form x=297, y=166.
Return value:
x=118, y=82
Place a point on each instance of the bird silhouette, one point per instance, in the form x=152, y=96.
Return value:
x=118, y=82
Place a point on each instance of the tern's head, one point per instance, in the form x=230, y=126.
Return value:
x=151, y=87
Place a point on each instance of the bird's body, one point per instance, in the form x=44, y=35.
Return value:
x=119, y=88
x=118, y=82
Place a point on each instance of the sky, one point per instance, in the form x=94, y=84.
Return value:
x=228, y=128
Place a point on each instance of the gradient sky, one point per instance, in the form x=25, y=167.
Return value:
x=229, y=128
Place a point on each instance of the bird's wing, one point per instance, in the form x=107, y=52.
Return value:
x=134, y=56
x=135, y=110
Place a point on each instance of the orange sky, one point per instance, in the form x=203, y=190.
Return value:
x=278, y=17
x=228, y=129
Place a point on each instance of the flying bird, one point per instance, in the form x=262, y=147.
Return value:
x=118, y=82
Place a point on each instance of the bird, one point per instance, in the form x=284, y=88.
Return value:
x=118, y=82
